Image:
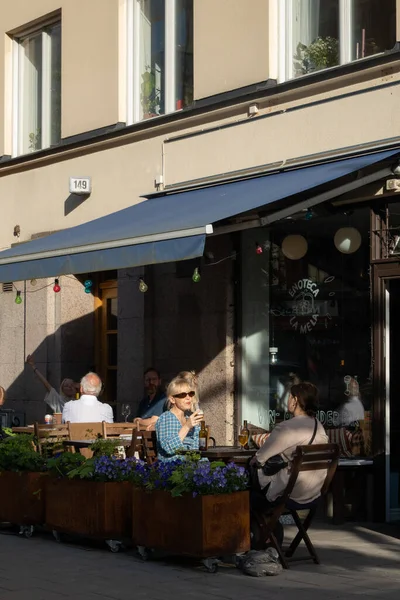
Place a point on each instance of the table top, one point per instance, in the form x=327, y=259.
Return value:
x=227, y=452
x=355, y=462
x=89, y=442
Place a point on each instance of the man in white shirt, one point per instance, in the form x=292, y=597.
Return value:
x=88, y=409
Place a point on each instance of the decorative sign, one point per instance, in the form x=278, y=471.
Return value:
x=80, y=185
x=304, y=293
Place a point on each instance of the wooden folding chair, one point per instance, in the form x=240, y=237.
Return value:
x=85, y=431
x=114, y=430
x=143, y=445
x=307, y=458
x=48, y=436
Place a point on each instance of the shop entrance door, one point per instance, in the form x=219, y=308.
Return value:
x=392, y=397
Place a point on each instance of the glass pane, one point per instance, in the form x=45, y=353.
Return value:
x=55, y=82
x=184, y=53
x=112, y=349
x=30, y=94
x=315, y=37
x=374, y=27
x=393, y=326
x=112, y=314
x=152, y=58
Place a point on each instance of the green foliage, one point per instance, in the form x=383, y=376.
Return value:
x=149, y=94
x=17, y=453
x=102, y=447
x=9, y=431
x=62, y=464
x=322, y=53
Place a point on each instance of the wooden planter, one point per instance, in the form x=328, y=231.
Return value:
x=22, y=497
x=201, y=527
x=89, y=508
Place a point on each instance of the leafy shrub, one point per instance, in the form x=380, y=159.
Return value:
x=17, y=453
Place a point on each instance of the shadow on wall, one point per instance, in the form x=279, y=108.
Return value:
x=69, y=352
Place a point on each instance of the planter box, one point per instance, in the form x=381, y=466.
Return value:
x=22, y=497
x=89, y=508
x=201, y=527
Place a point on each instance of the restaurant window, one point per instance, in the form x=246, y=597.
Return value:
x=316, y=34
x=37, y=89
x=306, y=317
x=160, y=57
x=109, y=340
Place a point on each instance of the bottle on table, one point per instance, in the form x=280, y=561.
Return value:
x=244, y=436
x=203, y=439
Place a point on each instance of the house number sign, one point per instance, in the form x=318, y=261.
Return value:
x=80, y=185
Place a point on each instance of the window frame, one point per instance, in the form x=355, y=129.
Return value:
x=17, y=85
x=285, y=37
x=133, y=88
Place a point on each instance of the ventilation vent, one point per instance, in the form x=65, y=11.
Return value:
x=7, y=287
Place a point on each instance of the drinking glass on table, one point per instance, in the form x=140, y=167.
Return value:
x=126, y=411
x=243, y=436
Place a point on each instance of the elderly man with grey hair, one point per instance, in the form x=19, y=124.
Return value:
x=88, y=409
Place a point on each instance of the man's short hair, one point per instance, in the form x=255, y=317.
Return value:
x=91, y=384
x=152, y=370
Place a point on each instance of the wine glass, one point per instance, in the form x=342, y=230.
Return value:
x=126, y=411
x=243, y=436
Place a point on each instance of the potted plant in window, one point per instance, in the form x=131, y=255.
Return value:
x=21, y=483
x=91, y=497
x=322, y=53
x=150, y=97
x=192, y=507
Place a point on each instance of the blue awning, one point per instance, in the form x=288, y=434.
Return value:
x=165, y=228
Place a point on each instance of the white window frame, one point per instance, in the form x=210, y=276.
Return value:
x=285, y=37
x=133, y=59
x=17, y=92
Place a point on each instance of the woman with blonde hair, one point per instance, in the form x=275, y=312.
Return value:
x=54, y=399
x=176, y=431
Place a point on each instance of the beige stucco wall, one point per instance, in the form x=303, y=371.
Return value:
x=90, y=51
x=230, y=45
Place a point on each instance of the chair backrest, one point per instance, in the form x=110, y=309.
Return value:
x=313, y=458
x=49, y=434
x=143, y=445
x=85, y=431
x=116, y=429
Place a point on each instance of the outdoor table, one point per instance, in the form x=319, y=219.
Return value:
x=227, y=454
x=77, y=444
x=338, y=486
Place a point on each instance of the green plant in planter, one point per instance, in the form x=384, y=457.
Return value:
x=17, y=453
x=150, y=98
x=62, y=464
x=322, y=53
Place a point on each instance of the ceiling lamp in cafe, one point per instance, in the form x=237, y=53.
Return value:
x=294, y=247
x=347, y=240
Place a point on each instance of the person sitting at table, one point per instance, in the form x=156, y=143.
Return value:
x=56, y=400
x=154, y=402
x=284, y=439
x=175, y=431
x=88, y=409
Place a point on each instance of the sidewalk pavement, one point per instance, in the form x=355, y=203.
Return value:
x=358, y=560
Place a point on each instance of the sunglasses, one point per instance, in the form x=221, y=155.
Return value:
x=183, y=395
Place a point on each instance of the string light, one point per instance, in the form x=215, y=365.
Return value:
x=18, y=299
x=259, y=249
x=309, y=214
x=274, y=355
x=143, y=287
x=56, y=287
x=88, y=286
x=196, y=277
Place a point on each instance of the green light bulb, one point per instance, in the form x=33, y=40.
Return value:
x=18, y=299
x=143, y=287
x=196, y=277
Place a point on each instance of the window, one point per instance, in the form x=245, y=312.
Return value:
x=160, y=57
x=318, y=34
x=37, y=90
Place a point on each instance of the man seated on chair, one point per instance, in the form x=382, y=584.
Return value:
x=88, y=409
x=154, y=402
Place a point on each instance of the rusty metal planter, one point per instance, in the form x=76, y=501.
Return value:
x=89, y=508
x=201, y=527
x=22, y=497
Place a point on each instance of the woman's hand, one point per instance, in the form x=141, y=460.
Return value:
x=30, y=360
x=195, y=419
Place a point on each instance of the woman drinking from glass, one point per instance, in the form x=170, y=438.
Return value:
x=176, y=431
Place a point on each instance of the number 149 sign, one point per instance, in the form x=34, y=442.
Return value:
x=80, y=185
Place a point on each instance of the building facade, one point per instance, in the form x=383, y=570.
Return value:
x=142, y=97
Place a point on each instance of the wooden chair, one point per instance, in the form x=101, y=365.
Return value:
x=143, y=445
x=85, y=431
x=114, y=430
x=307, y=458
x=49, y=435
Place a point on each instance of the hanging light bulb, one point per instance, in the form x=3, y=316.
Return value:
x=259, y=249
x=196, y=277
x=18, y=299
x=274, y=355
x=33, y=282
x=143, y=287
x=88, y=286
x=56, y=287
x=309, y=214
